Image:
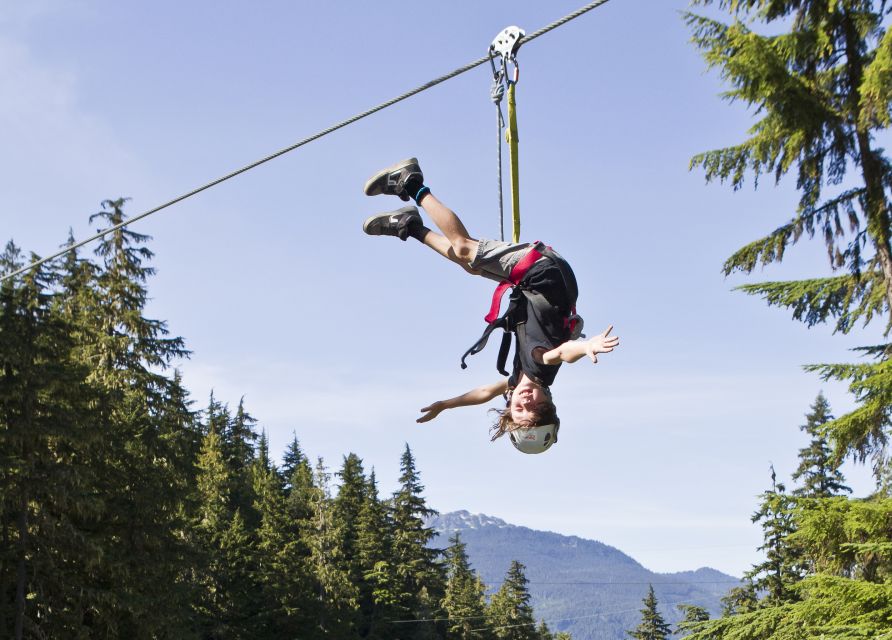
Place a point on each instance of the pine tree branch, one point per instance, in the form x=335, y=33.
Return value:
x=801, y=123
x=876, y=351
x=863, y=431
x=848, y=298
x=829, y=217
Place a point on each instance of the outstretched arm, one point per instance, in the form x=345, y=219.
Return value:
x=573, y=350
x=474, y=396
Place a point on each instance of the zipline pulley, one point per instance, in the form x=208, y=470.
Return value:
x=506, y=44
x=504, y=47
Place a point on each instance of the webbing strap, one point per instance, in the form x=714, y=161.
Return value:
x=478, y=346
x=513, y=162
x=514, y=278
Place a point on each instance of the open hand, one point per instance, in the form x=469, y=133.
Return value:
x=431, y=411
x=601, y=343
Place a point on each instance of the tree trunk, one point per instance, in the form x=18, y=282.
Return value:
x=876, y=208
x=877, y=214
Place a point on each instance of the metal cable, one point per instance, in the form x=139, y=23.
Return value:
x=324, y=132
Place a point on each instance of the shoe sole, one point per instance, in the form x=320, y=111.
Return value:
x=369, y=188
x=368, y=225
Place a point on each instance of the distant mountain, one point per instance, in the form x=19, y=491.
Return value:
x=585, y=587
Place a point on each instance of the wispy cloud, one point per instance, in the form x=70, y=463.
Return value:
x=57, y=157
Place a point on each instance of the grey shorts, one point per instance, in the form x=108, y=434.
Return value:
x=495, y=258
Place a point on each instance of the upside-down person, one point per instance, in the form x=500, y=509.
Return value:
x=541, y=314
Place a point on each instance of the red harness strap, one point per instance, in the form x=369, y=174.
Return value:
x=514, y=278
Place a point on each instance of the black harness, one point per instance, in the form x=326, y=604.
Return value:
x=523, y=298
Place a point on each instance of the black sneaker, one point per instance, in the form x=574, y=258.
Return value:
x=394, y=223
x=392, y=180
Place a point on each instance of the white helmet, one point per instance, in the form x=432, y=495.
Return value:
x=534, y=439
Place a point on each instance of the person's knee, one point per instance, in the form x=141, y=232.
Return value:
x=465, y=249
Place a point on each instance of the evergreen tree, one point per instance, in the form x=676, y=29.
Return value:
x=543, y=632
x=347, y=508
x=294, y=457
x=820, y=475
x=652, y=626
x=289, y=596
x=144, y=476
x=282, y=571
x=742, y=599
x=336, y=597
x=693, y=616
x=212, y=483
x=822, y=88
x=213, y=520
x=780, y=570
x=47, y=486
x=847, y=538
x=820, y=83
x=238, y=439
x=378, y=598
x=420, y=579
x=243, y=604
x=510, y=612
x=301, y=498
x=464, y=603
x=239, y=578
x=299, y=487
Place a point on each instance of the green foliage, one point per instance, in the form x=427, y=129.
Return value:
x=420, y=579
x=844, y=537
x=379, y=597
x=348, y=506
x=47, y=445
x=828, y=566
x=652, y=625
x=819, y=87
x=876, y=91
x=124, y=513
x=829, y=607
x=781, y=569
x=847, y=299
x=336, y=596
x=464, y=602
x=862, y=433
x=742, y=599
x=510, y=614
x=832, y=219
x=693, y=617
x=820, y=474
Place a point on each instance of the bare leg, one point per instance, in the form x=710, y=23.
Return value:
x=462, y=247
x=442, y=246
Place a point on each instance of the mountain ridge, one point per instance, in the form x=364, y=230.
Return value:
x=585, y=587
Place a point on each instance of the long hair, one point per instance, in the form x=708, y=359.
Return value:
x=547, y=414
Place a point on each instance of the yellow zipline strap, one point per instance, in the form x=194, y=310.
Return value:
x=505, y=46
x=514, y=163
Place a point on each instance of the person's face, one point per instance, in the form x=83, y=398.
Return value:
x=526, y=401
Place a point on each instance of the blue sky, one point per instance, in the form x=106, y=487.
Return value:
x=340, y=337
